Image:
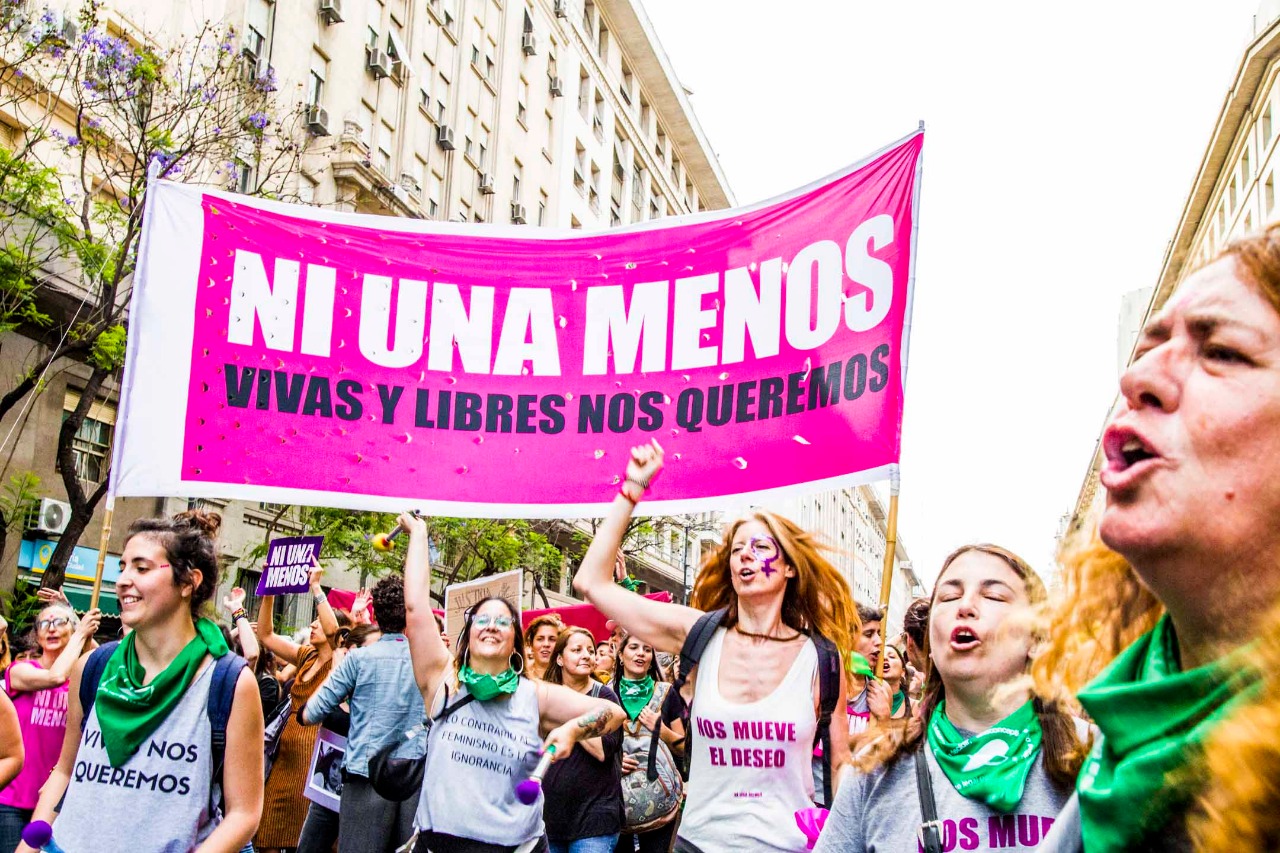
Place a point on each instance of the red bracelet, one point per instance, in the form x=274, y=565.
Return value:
x=628, y=497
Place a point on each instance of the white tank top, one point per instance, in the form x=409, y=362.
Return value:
x=751, y=766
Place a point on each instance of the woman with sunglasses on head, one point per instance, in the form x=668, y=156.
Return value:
x=38, y=688
x=756, y=697
x=1000, y=761
x=643, y=688
x=138, y=769
x=582, y=808
x=491, y=722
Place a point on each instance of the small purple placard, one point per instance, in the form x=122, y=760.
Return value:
x=289, y=564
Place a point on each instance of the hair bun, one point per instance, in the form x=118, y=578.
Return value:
x=208, y=523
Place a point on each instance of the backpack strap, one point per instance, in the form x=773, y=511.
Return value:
x=674, y=707
x=222, y=692
x=828, y=696
x=930, y=832
x=91, y=676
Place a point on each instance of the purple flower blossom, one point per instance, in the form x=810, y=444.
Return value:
x=73, y=141
x=258, y=121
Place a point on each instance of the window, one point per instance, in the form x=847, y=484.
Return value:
x=482, y=147
x=475, y=56
x=489, y=65
x=373, y=24
x=580, y=169
x=660, y=146
x=442, y=97
x=435, y=192
x=91, y=445
x=602, y=44
x=625, y=88
x=528, y=22
x=384, y=148
x=522, y=102
x=315, y=81
x=589, y=17
x=584, y=93
x=1265, y=124
x=257, y=28
x=597, y=117
x=468, y=135
x=550, y=144
x=366, y=125
x=1246, y=167
x=418, y=171
x=637, y=188
x=542, y=207
x=593, y=194
x=516, y=179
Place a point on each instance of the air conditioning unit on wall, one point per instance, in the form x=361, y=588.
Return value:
x=51, y=516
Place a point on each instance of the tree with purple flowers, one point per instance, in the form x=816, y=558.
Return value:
x=95, y=111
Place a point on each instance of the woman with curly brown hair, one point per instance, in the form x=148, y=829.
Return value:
x=1000, y=761
x=1184, y=569
x=755, y=698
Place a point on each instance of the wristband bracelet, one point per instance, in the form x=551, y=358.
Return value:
x=644, y=484
x=628, y=497
x=238, y=614
x=322, y=597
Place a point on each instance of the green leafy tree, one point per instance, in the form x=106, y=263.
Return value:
x=95, y=112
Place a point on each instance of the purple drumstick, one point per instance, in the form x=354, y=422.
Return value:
x=528, y=790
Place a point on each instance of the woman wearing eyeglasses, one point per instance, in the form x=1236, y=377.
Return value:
x=38, y=688
x=490, y=721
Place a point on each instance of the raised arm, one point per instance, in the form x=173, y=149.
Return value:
x=324, y=610
x=265, y=629
x=430, y=655
x=242, y=627
x=25, y=676
x=663, y=626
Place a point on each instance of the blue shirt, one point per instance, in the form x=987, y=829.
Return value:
x=377, y=682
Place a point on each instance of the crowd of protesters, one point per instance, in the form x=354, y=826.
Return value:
x=1135, y=708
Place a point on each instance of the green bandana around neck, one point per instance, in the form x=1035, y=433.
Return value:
x=991, y=766
x=635, y=694
x=1154, y=719
x=859, y=665
x=130, y=711
x=898, y=699
x=484, y=686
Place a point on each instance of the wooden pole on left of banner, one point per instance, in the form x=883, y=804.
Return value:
x=103, y=541
x=890, y=552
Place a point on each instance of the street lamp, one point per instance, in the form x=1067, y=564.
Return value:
x=686, y=562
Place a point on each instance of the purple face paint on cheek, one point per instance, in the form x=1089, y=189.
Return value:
x=766, y=562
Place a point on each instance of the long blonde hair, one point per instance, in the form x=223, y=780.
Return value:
x=817, y=599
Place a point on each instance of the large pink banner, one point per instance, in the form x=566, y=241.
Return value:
x=365, y=361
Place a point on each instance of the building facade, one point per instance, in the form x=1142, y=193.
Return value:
x=855, y=523
x=559, y=113
x=1233, y=193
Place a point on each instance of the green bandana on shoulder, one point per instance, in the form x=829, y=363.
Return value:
x=1154, y=718
x=484, y=686
x=635, y=694
x=859, y=665
x=130, y=711
x=991, y=766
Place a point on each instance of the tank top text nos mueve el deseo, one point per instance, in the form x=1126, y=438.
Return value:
x=751, y=767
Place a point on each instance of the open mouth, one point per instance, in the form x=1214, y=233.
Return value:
x=746, y=574
x=129, y=599
x=963, y=639
x=1124, y=449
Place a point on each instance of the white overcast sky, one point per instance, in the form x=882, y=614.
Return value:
x=1061, y=141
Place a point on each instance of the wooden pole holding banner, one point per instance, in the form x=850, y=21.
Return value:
x=890, y=552
x=103, y=542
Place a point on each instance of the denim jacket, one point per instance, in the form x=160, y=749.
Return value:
x=377, y=682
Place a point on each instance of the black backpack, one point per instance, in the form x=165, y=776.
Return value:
x=222, y=690
x=675, y=708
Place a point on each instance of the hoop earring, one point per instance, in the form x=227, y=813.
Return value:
x=518, y=656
